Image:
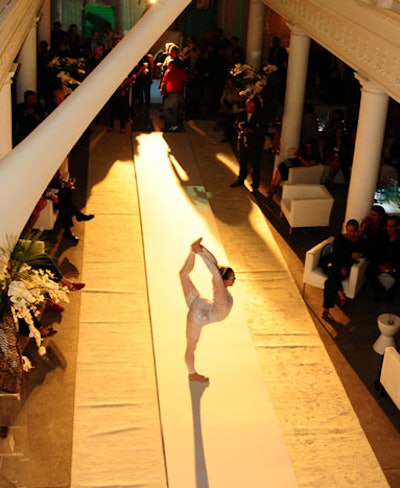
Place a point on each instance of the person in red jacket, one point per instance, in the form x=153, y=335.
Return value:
x=172, y=89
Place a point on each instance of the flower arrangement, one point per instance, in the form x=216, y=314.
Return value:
x=251, y=82
x=71, y=71
x=24, y=288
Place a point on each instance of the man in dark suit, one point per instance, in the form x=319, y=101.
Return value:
x=250, y=130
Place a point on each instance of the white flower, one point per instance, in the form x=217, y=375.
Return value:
x=21, y=298
x=42, y=351
x=26, y=364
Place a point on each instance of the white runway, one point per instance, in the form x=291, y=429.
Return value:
x=224, y=434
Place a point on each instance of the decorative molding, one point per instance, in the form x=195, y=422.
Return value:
x=359, y=33
x=16, y=20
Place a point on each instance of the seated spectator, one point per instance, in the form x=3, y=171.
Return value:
x=229, y=105
x=307, y=156
x=372, y=227
x=347, y=248
x=384, y=267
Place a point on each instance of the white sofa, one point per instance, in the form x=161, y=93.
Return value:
x=306, y=174
x=306, y=205
x=314, y=276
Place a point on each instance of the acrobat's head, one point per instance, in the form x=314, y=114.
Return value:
x=228, y=275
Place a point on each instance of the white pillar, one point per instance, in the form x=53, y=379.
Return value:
x=6, y=114
x=44, y=29
x=295, y=90
x=255, y=30
x=27, y=60
x=39, y=155
x=367, y=151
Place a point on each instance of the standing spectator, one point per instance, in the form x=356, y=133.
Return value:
x=250, y=129
x=339, y=154
x=196, y=68
x=44, y=75
x=56, y=37
x=172, y=89
x=119, y=106
x=309, y=125
x=229, y=104
x=74, y=41
x=278, y=56
x=92, y=42
x=108, y=37
x=95, y=59
x=28, y=116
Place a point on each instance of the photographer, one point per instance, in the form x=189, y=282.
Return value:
x=250, y=138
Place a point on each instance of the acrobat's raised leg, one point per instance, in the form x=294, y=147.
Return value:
x=189, y=290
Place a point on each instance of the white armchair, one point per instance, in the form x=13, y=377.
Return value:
x=47, y=217
x=390, y=374
x=306, y=174
x=314, y=276
x=306, y=205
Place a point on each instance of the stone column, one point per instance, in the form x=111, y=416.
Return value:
x=26, y=76
x=6, y=114
x=44, y=32
x=255, y=31
x=368, y=149
x=295, y=90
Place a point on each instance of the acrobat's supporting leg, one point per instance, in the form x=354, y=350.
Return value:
x=189, y=290
x=191, y=345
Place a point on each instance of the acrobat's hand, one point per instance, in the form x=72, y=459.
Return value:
x=196, y=245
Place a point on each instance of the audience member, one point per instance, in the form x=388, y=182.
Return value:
x=95, y=59
x=384, y=266
x=108, y=37
x=67, y=209
x=229, y=106
x=28, y=115
x=346, y=249
x=56, y=37
x=250, y=138
x=44, y=75
x=309, y=125
x=196, y=68
x=373, y=227
x=307, y=156
x=74, y=41
x=172, y=89
x=119, y=106
x=190, y=43
x=339, y=155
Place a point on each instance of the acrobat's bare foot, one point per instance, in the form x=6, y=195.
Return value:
x=196, y=245
x=198, y=377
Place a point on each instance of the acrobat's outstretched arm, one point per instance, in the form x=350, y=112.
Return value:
x=209, y=259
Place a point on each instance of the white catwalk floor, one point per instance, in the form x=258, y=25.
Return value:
x=224, y=434
x=274, y=406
